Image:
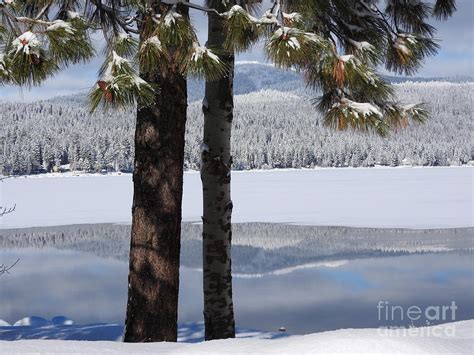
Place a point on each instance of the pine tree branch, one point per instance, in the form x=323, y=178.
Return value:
x=44, y=10
x=387, y=24
x=190, y=5
x=113, y=14
x=11, y=19
x=32, y=21
x=444, y=9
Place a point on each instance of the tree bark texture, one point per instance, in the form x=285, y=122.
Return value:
x=156, y=213
x=217, y=204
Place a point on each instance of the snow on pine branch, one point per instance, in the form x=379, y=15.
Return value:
x=204, y=63
x=290, y=46
x=172, y=17
x=120, y=85
x=61, y=25
x=27, y=43
x=362, y=108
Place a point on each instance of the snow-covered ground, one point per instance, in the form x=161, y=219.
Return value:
x=451, y=338
x=63, y=328
x=380, y=197
x=374, y=197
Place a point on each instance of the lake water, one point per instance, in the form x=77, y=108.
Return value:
x=304, y=278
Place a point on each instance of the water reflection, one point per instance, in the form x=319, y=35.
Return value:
x=304, y=278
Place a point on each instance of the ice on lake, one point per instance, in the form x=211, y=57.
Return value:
x=362, y=197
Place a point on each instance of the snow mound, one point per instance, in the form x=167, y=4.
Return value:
x=32, y=321
x=4, y=323
x=448, y=338
x=62, y=320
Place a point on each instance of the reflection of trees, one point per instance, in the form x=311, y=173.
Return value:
x=257, y=247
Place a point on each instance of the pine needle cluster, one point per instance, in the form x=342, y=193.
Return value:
x=363, y=38
x=338, y=44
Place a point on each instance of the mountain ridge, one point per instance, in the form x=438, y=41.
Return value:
x=253, y=76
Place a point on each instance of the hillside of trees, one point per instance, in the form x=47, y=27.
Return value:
x=272, y=129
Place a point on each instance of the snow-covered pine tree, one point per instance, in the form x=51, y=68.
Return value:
x=151, y=48
x=338, y=44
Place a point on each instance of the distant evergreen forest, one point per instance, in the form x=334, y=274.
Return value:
x=272, y=129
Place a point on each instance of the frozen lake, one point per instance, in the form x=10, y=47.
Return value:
x=415, y=249
x=374, y=197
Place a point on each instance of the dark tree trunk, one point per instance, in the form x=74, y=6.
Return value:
x=152, y=307
x=217, y=203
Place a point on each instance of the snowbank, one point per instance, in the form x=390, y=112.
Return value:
x=449, y=338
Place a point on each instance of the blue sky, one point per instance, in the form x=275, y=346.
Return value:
x=456, y=58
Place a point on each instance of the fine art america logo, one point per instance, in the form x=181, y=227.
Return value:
x=388, y=313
